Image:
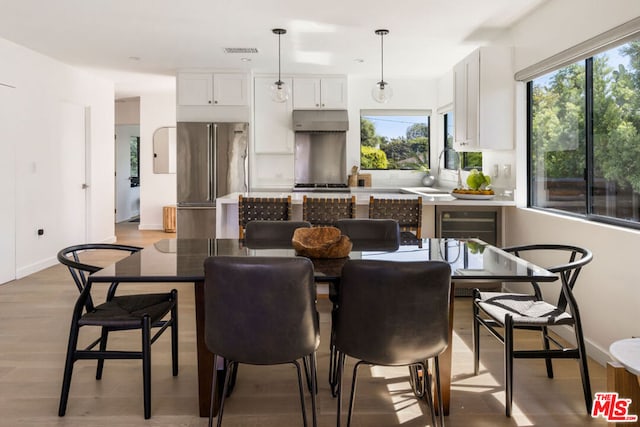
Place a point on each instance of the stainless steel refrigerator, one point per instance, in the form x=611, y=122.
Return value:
x=211, y=162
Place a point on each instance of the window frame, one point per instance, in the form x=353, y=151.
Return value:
x=589, y=172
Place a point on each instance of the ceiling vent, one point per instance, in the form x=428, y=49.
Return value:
x=243, y=50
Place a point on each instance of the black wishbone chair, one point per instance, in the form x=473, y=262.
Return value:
x=117, y=313
x=512, y=311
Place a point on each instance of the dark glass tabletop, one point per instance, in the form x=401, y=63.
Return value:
x=181, y=260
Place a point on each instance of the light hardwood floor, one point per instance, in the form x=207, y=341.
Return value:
x=35, y=311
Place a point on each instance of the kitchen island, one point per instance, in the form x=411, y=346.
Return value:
x=227, y=206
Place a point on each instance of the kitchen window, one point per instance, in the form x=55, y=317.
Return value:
x=470, y=160
x=393, y=139
x=584, y=137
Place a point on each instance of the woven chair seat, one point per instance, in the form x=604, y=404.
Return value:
x=127, y=311
x=524, y=309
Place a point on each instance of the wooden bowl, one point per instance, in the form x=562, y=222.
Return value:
x=321, y=242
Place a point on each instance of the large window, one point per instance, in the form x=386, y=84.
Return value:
x=394, y=140
x=584, y=137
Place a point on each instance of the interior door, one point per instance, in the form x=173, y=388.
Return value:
x=72, y=146
x=9, y=134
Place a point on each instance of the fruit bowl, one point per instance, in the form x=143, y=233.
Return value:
x=466, y=193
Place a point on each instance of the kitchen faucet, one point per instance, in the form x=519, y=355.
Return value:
x=458, y=165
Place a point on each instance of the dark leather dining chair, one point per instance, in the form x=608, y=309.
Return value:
x=261, y=311
x=271, y=234
x=117, y=313
x=518, y=311
x=365, y=235
x=371, y=234
x=393, y=314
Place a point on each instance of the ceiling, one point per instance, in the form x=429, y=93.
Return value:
x=139, y=44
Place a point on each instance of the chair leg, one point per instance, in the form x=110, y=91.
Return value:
x=436, y=363
x=103, y=347
x=68, y=369
x=584, y=367
x=339, y=375
x=301, y=391
x=225, y=389
x=174, y=333
x=333, y=370
x=232, y=380
x=314, y=386
x=427, y=391
x=475, y=331
x=214, y=377
x=508, y=363
x=146, y=365
x=547, y=347
x=353, y=392
x=306, y=361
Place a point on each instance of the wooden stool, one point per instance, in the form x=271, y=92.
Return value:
x=169, y=219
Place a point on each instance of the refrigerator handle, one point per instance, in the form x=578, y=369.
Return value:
x=209, y=165
x=213, y=165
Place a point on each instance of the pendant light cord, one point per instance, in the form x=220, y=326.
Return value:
x=279, y=60
x=382, y=59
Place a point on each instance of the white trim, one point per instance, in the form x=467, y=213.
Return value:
x=395, y=112
x=445, y=108
x=616, y=36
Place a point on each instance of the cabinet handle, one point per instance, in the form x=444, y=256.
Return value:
x=209, y=101
x=317, y=105
x=215, y=102
x=323, y=105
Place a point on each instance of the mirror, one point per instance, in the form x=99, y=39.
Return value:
x=164, y=150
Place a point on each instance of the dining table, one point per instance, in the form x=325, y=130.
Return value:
x=182, y=260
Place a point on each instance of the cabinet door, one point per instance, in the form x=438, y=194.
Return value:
x=306, y=93
x=230, y=89
x=195, y=89
x=466, y=102
x=272, y=122
x=333, y=93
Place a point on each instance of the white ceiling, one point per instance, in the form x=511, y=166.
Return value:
x=141, y=43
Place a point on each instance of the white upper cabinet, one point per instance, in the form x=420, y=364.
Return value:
x=483, y=97
x=325, y=92
x=223, y=89
x=272, y=121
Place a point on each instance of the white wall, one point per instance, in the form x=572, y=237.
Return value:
x=156, y=190
x=608, y=290
x=43, y=85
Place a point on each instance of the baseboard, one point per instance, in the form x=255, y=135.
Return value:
x=150, y=227
x=35, y=267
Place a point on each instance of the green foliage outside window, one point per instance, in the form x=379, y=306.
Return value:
x=399, y=152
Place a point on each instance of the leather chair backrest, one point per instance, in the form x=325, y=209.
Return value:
x=271, y=234
x=260, y=310
x=371, y=234
x=393, y=313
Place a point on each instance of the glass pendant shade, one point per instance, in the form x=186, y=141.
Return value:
x=382, y=92
x=280, y=91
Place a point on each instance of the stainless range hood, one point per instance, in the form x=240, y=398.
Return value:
x=320, y=120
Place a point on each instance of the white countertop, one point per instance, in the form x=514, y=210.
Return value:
x=430, y=196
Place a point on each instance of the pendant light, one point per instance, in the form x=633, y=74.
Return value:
x=280, y=91
x=382, y=91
